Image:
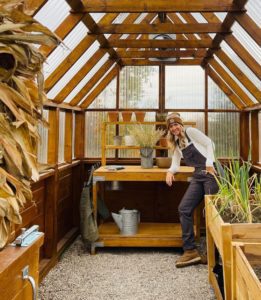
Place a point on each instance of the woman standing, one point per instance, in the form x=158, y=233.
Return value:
x=197, y=150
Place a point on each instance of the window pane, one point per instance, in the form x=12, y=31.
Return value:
x=217, y=99
x=197, y=117
x=107, y=98
x=93, y=121
x=42, y=148
x=223, y=129
x=139, y=87
x=184, y=87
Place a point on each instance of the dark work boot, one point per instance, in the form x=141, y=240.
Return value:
x=189, y=257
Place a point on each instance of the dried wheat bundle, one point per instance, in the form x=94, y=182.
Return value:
x=21, y=102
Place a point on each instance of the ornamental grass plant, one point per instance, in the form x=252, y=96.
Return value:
x=239, y=196
x=146, y=136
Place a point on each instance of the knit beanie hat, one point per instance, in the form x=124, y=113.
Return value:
x=174, y=118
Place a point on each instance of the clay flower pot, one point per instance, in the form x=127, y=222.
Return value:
x=113, y=116
x=140, y=115
x=163, y=142
x=126, y=116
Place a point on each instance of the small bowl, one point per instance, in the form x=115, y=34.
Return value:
x=163, y=162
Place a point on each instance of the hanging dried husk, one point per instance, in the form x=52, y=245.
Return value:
x=21, y=101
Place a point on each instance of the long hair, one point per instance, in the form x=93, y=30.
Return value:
x=172, y=141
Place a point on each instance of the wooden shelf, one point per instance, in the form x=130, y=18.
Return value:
x=149, y=235
x=133, y=147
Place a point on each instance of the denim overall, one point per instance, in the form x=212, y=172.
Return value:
x=202, y=183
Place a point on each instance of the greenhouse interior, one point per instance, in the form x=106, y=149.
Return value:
x=130, y=149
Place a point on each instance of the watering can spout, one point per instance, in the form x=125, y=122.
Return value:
x=118, y=219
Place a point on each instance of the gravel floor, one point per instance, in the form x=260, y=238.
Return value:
x=126, y=274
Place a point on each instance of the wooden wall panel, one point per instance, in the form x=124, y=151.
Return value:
x=64, y=204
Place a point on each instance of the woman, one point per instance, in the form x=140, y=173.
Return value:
x=197, y=150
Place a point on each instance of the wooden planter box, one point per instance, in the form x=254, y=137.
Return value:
x=246, y=284
x=221, y=235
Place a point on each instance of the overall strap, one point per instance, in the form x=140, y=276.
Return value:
x=189, y=140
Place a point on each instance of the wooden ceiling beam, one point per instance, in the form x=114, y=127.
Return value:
x=72, y=58
x=160, y=44
x=93, y=60
x=247, y=83
x=226, y=24
x=147, y=62
x=92, y=82
x=62, y=31
x=157, y=6
x=238, y=48
x=159, y=28
x=231, y=82
x=166, y=53
x=100, y=87
x=225, y=88
x=249, y=26
x=91, y=25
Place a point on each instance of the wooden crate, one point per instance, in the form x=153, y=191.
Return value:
x=221, y=235
x=245, y=283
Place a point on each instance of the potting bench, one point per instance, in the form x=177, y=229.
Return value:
x=149, y=234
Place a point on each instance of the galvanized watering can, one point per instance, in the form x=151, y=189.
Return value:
x=127, y=221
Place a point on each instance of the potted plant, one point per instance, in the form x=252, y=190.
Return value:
x=146, y=137
x=233, y=214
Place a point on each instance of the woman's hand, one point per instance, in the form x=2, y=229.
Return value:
x=211, y=170
x=170, y=178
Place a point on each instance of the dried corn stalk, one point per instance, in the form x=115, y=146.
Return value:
x=21, y=102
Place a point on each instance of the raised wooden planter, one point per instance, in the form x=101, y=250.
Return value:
x=221, y=235
x=246, y=284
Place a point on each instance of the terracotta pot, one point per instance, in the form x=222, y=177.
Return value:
x=113, y=116
x=163, y=142
x=140, y=115
x=126, y=116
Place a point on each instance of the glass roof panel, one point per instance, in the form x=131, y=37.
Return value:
x=242, y=66
x=53, y=13
x=63, y=50
x=140, y=18
x=97, y=16
x=246, y=41
x=82, y=83
x=236, y=80
x=199, y=18
x=221, y=15
x=120, y=18
x=253, y=8
x=73, y=70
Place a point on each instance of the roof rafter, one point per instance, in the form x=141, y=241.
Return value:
x=90, y=64
x=233, y=85
x=225, y=88
x=238, y=48
x=71, y=59
x=100, y=87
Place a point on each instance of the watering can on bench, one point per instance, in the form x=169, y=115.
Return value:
x=127, y=220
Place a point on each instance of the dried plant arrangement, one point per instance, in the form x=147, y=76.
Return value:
x=21, y=102
x=239, y=196
x=146, y=135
